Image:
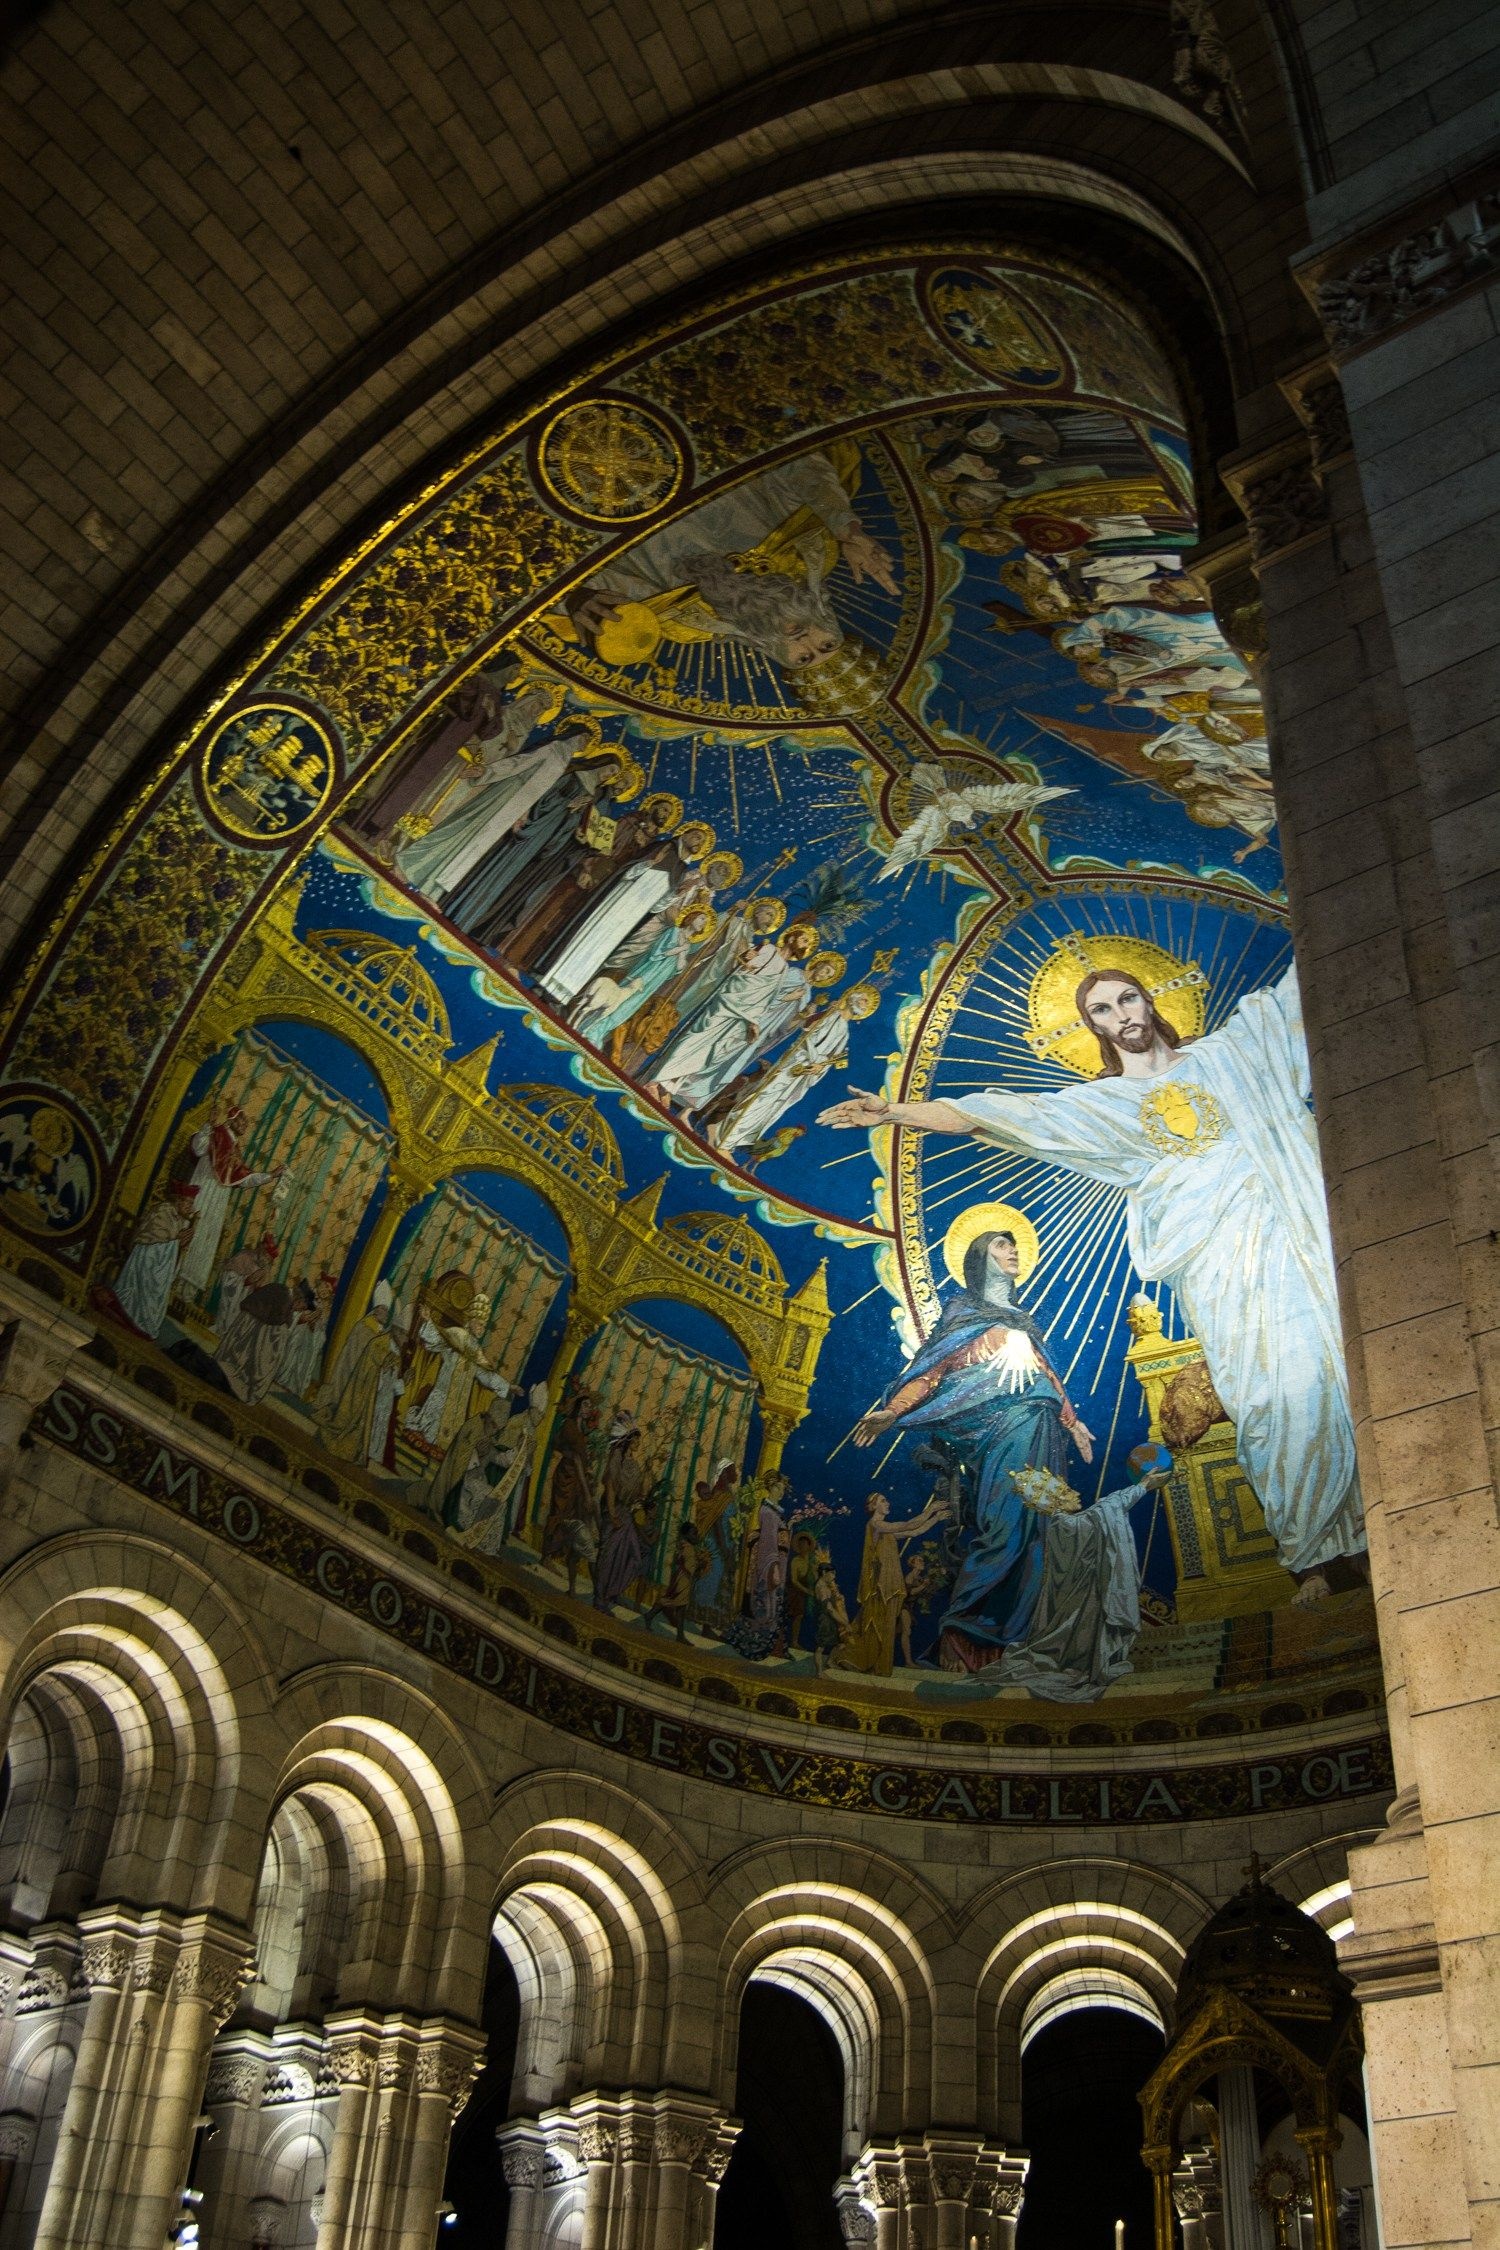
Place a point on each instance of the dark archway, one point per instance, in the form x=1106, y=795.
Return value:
x=474, y=2186
x=789, y=2091
x=1081, y=2121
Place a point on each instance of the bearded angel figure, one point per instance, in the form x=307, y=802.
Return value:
x=749, y=565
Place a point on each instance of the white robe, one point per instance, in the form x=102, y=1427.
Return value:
x=821, y=1048
x=754, y=1006
x=144, y=1284
x=1088, y=1613
x=304, y=1356
x=210, y=1209
x=1234, y=1219
x=437, y=863
x=639, y=892
x=427, y=1420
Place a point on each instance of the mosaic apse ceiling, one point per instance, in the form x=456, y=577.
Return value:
x=816, y=709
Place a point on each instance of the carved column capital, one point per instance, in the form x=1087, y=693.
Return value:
x=267, y=2217
x=522, y=2166
x=216, y=1963
x=596, y=2141
x=1316, y=396
x=680, y=2140
x=352, y=2049
x=449, y=2059
x=1280, y=497
x=17, y=2138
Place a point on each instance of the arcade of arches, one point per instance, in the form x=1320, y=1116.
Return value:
x=748, y=1104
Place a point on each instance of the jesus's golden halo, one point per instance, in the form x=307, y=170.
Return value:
x=991, y=1218
x=1055, y=1034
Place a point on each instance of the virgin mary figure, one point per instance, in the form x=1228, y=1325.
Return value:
x=984, y=1381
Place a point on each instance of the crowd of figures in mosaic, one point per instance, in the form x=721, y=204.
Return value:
x=770, y=1095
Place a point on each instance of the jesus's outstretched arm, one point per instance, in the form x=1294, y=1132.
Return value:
x=869, y=1110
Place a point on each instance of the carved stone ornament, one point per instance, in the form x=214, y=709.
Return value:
x=17, y=2135
x=523, y=2167
x=41, y=1988
x=1189, y=2201
x=214, y=1978
x=637, y=2141
x=234, y=2078
x=287, y=2082
x=678, y=2142
x=596, y=2142
x=1008, y=2197
x=351, y=2060
x=883, y=2187
x=103, y=1963
x=1283, y=506
x=1201, y=67
x=1327, y=417
x=449, y=2071
x=267, y=2215
x=857, y=2224
x=1408, y=277
x=395, y=2068
x=153, y=1969
x=952, y=2179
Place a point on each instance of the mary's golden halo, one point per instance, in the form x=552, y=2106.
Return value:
x=991, y=1218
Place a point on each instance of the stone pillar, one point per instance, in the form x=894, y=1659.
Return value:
x=37, y=1343
x=628, y=2171
x=1198, y=2197
x=523, y=2149
x=17, y=2140
x=254, y=2078
x=402, y=2081
x=876, y=2175
x=939, y=2191
x=1239, y=2159
x=1381, y=810
x=231, y=2101
x=708, y=2173
x=158, y=1987
x=1408, y=299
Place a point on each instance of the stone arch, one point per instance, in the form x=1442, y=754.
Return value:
x=1316, y=1878
x=378, y=1802
x=762, y=165
x=590, y=1910
x=139, y=1686
x=1067, y=1932
x=849, y=1932
x=710, y=160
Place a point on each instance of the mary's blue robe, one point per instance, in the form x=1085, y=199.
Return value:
x=994, y=1430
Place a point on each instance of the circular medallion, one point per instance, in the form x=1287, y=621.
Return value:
x=267, y=772
x=988, y=324
x=49, y=1164
x=610, y=461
